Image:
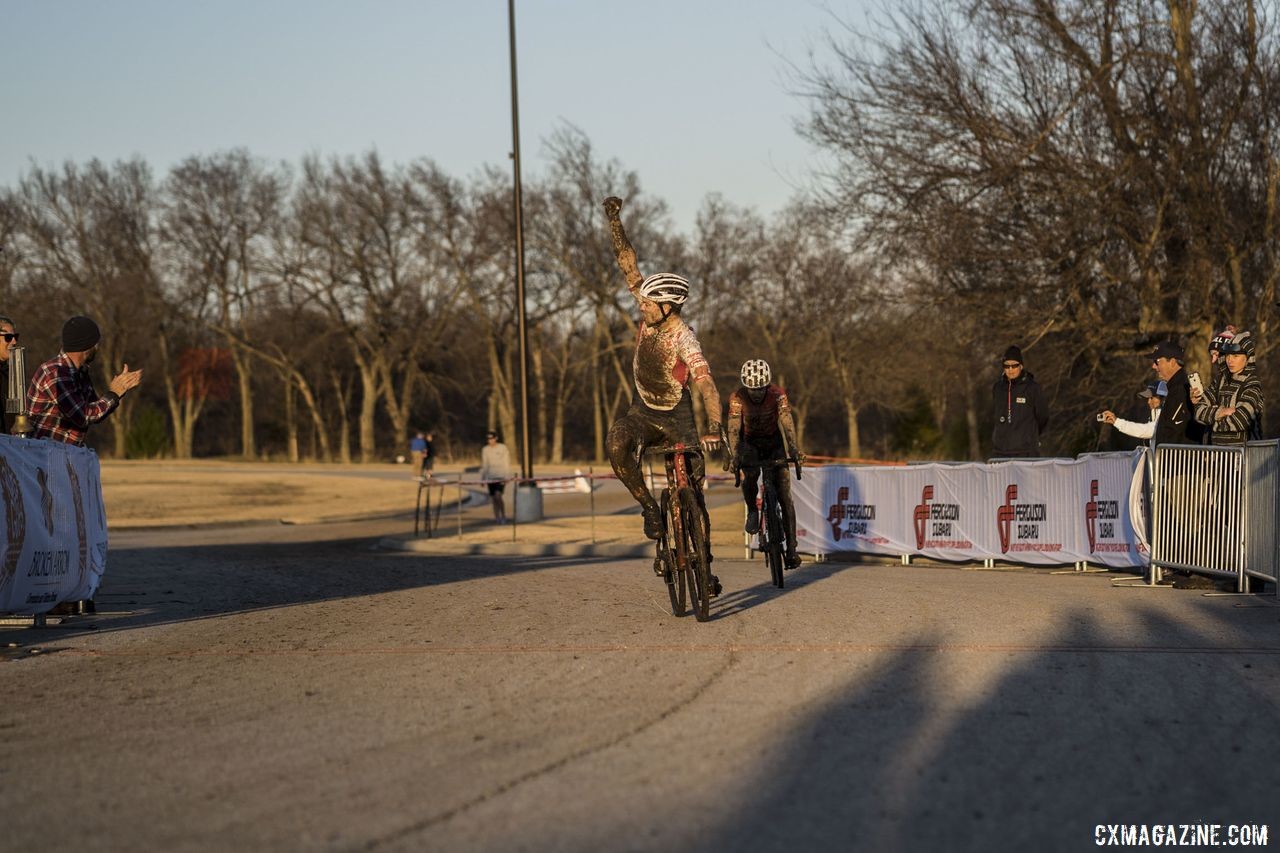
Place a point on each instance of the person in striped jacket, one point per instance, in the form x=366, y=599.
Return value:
x=1232, y=406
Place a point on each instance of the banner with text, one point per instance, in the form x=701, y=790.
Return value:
x=55, y=528
x=1047, y=511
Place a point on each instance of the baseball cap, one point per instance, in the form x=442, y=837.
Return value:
x=1154, y=389
x=1168, y=349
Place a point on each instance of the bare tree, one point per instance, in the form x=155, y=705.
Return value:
x=1097, y=173
x=90, y=233
x=219, y=211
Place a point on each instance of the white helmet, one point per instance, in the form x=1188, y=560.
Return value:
x=665, y=287
x=755, y=373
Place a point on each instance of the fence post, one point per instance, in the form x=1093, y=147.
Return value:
x=1153, y=575
x=417, y=510
x=515, y=512
x=591, y=484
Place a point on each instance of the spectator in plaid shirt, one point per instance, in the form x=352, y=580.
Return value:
x=61, y=401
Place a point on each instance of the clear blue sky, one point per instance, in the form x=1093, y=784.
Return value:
x=692, y=94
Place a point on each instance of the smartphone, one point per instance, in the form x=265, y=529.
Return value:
x=1194, y=379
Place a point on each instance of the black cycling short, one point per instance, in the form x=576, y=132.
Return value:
x=498, y=488
x=642, y=427
x=756, y=449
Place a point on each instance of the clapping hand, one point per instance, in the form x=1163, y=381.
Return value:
x=125, y=380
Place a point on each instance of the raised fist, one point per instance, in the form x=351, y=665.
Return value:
x=612, y=206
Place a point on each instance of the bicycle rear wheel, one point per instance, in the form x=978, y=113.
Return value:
x=696, y=552
x=671, y=573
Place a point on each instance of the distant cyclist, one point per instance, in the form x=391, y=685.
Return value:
x=668, y=357
x=761, y=428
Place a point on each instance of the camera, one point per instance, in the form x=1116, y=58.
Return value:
x=1100, y=417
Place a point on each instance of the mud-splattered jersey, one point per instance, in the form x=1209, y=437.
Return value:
x=759, y=420
x=667, y=357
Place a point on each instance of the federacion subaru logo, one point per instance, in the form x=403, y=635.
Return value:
x=1021, y=525
x=937, y=525
x=849, y=519
x=1100, y=519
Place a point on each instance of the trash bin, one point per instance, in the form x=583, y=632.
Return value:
x=528, y=504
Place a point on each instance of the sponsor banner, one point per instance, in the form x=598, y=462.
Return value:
x=1043, y=512
x=842, y=508
x=55, y=528
x=1115, y=509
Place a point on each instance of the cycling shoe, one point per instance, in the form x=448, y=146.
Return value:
x=653, y=522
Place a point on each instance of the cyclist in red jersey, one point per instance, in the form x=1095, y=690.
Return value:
x=761, y=428
x=668, y=358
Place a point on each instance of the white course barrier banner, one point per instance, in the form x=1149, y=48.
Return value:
x=1047, y=511
x=55, y=529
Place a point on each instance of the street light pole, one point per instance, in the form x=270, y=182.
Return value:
x=526, y=453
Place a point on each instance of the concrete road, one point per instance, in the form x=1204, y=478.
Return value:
x=286, y=688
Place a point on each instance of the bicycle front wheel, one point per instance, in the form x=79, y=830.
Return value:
x=696, y=553
x=671, y=573
x=773, y=547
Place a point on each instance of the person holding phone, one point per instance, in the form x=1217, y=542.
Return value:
x=1232, y=406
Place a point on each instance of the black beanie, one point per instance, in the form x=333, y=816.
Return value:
x=1013, y=354
x=79, y=334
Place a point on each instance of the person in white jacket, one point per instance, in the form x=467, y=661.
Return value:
x=1154, y=393
x=495, y=467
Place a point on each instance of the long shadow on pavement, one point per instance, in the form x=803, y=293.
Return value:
x=1062, y=741
x=153, y=586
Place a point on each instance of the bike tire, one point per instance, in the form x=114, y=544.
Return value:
x=773, y=549
x=698, y=568
x=671, y=573
x=774, y=556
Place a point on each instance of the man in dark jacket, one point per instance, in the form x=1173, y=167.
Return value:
x=1177, y=423
x=8, y=342
x=1019, y=410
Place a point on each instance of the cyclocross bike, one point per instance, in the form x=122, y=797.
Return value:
x=684, y=549
x=773, y=535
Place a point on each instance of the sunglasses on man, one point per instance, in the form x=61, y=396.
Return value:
x=9, y=337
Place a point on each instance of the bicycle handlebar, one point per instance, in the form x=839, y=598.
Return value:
x=766, y=463
x=671, y=450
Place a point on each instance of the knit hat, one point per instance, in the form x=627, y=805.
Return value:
x=1223, y=337
x=1241, y=342
x=79, y=334
x=1013, y=353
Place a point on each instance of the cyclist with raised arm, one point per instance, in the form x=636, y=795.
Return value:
x=761, y=429
x=667, y=359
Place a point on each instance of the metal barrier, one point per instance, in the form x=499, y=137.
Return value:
x=1214, y=511
x=1262, y=509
